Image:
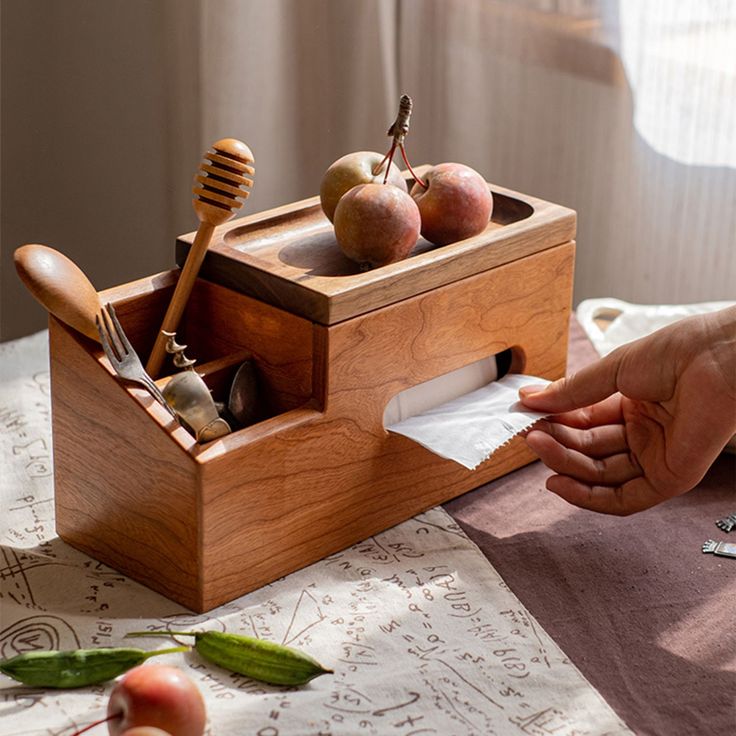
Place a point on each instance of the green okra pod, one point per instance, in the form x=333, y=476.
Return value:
x=261, y=660
x=77, y=667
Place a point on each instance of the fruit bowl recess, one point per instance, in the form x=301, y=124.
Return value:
x=289, y=256
x=332, y=345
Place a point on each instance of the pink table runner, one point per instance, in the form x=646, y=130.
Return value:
x=644, y=614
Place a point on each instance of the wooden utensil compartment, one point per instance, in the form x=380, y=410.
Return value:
x=204, y=524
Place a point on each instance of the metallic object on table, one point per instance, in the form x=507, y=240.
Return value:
x=188, y=394
x=242, y=401
x=727, y=524
x=724, y=549
x=123, y=359
x=173, y=348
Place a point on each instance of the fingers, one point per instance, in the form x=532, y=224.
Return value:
x=622, y=500
x=594, y=469
x=597, y=442
x=608, y=411
x=592, y=384
x=611, y=470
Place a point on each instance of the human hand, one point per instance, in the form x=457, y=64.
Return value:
x=644, y=423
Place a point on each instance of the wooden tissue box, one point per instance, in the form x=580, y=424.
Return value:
x=204, y=524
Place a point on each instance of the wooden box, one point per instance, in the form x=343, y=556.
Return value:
x=204, y=524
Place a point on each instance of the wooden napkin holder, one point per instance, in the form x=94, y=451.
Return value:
x=204, y=524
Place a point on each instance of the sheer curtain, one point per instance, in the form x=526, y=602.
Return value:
x=108, y=106
x=587, y=104
x=621, y=109
x=301, y=81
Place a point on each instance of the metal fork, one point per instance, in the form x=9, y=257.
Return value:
x=122, y=357
x=727, y=524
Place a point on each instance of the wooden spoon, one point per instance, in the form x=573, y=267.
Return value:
x=60, y=286
x=221, y=180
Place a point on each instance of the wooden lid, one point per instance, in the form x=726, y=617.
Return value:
x=288, y=256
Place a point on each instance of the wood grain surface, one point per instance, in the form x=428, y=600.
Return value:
x=60, y=286
x=205, y=524
x=289, y=257
x=125, y=493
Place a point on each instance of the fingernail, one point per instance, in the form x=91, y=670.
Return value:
x=534, y=388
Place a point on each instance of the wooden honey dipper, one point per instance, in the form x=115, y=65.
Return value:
x=218, y=183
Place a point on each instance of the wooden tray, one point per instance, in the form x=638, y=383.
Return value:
x=288, y=256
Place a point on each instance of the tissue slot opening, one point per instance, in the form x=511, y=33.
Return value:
x=452, y=385
x=503, y=362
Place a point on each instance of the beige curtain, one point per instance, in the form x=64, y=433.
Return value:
x=536, y=96
x=577, y=101
x=108, y=106
x=301, y=81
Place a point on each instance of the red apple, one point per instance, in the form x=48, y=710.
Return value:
x=456, y=205
x=351, y=170
x=158, y=696
x=376, y=224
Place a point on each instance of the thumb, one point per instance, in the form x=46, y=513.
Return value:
x=590, y=385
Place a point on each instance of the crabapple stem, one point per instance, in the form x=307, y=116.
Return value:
x=417, y=179
x=390, y=156
x=377, y=168
x=400, y=127
x=111, y=717
x=398, y=131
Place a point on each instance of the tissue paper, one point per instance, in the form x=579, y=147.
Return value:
x=471, y=427
x=440, y=390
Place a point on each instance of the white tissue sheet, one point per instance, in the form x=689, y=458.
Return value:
x=439, y=390
x=470, y=428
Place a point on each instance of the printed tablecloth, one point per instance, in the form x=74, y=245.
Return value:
x=423, y=634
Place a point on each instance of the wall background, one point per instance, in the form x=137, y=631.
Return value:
x=108, y=105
